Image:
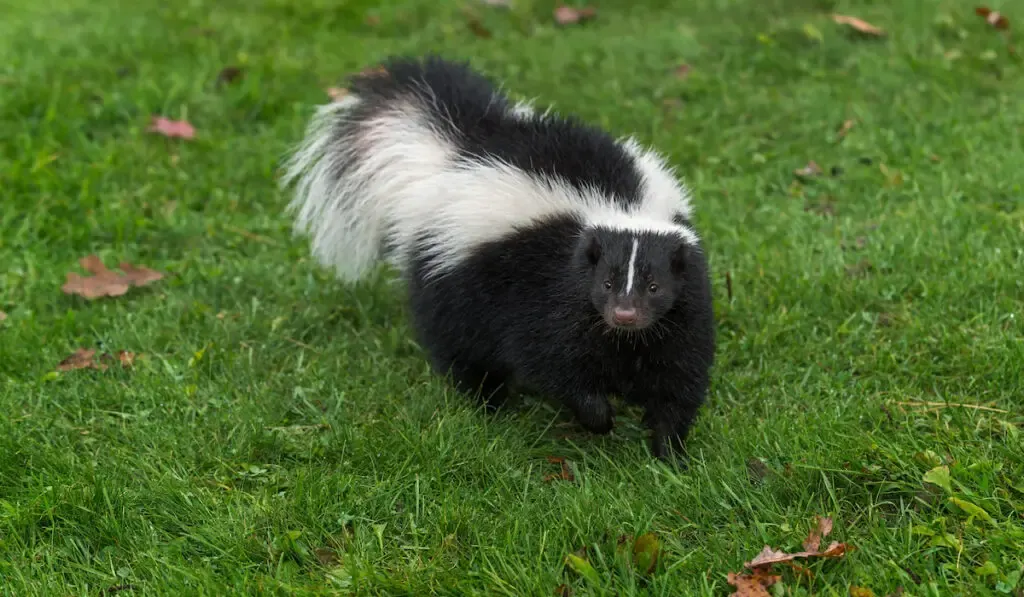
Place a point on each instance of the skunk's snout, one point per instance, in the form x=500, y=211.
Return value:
x=624, y=316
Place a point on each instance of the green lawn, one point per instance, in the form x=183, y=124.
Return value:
x=283, y=433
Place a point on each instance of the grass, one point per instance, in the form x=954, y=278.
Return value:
x=283, y=434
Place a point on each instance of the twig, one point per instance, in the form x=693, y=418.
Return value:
x=252, y=236
x=954, y=405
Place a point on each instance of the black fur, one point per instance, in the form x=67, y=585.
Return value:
x=476, y=118
x=522, y=310
x=533, y=309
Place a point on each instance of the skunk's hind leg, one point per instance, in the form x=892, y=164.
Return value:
x=485, y=383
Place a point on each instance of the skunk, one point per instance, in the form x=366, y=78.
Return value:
x=538, y=252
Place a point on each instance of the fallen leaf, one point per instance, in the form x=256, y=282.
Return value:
x=811, y=169
x=3, y=316
x=372, y=20
x=85, y=358
x=229, y=74
x=858, y=24
x=682, y=71
x=753, y=585
x=568, y=15
x=478, y=28
x=82, y=358
x=993, y=17
x=646, y=549
x=171, y=128
x=563, y=590
x=819, y=532
x=564, y=475
x=327, y=557
x=769, y=556
x=104, y=282
x=845, y=128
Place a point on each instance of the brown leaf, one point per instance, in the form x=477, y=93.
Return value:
x=563, y=591
x=845, y=128
x=822, y=530
x=171, y=128
x=372, y=20
x=757, y=470
x=569, y=15
x=811, y=169
x=104, y=282
x=478, y=28
x=769, y=556
x=564, y=475
x=682, y=71
x=327, y=557
x=993, y=17
x=3, y=316
x=753, y=585
x=229, y=74
x=858, y=24
x=82, y=358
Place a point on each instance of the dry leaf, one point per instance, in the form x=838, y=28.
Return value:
x=858, y=24
x=753, y=585
x=822, y=530
x=372, y=20
x=104, y=282
x=229, y=74
x=769, y=556
x=811, y=169
x=336, y=93
x=171, y=128
x=3, y=316
x=478, y=28
x=563, y=591
x=845, y=128
x=682, y=71
x=569, y=15
x=564, y=475
x=326, y=557
x=993, y=17
x=80, y=359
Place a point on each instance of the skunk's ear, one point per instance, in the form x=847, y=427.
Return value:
x=678, y=260
x=592, y=248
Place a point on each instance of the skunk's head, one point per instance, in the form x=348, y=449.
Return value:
x=635, y=277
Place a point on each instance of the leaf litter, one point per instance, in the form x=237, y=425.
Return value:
x=761, y=576
x=564, y=475
x=85, y=358
x=993, y=17
x=105, y=282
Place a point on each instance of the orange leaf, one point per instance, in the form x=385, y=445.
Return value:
x=858, y=24
x=752, y=585
x=813, y=541
x=104, y=282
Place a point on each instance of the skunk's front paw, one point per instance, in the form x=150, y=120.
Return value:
x=596, y=415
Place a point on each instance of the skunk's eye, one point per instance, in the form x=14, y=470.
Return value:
x=607, y=284
x=652, y=288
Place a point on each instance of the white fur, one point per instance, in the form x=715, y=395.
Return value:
x=409, y=184
x=631, y=273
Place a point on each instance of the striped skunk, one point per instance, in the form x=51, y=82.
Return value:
x=537, y=252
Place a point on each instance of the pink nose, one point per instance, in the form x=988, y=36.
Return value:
x=624, y=316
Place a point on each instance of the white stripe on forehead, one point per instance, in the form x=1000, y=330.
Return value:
x=631, y=274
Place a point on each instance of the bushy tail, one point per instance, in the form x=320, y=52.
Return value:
x=368, y=158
